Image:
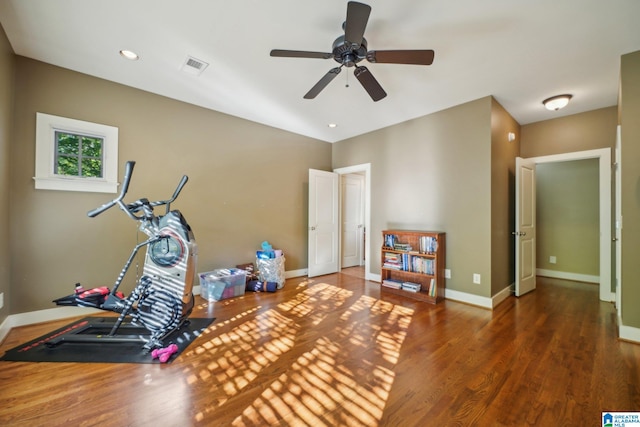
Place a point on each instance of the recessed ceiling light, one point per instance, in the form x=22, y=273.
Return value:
x=129, y=55
x=332, y=125
x=556, y=102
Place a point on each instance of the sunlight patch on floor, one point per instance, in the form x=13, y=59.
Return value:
x=329, y=383
x=316, y=301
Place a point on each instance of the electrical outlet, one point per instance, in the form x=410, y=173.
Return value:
x=447, y=273
x=476, y=278
x=1, y=299
x=552, y=259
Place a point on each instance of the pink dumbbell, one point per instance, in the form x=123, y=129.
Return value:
x=163, y=354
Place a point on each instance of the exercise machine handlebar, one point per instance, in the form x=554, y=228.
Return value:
x=131, y=208
x=125, y=187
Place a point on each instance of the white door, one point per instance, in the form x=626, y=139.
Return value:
x=525, y=232
x=323, y=222
x=352, y=219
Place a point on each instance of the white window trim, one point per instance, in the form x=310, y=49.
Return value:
x=46, y=179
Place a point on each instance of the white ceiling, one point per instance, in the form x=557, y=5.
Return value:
x=519, y=51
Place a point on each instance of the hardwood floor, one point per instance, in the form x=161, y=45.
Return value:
x=330, y=351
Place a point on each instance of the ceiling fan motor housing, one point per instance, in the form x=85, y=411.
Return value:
x=348, y=53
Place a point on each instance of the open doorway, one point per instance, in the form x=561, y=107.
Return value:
x=355, y=216
x=568, y=220
x=352, y=231
x=603, y=157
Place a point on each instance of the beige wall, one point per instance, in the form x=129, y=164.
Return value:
x=6, y=74
x=630, y=125
x=247, y=183
x=569, y=134
x=567, y=215
x=450, y=171
x=433, y=173
x=503, y=154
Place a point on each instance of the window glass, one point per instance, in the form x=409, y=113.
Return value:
x=78, y=155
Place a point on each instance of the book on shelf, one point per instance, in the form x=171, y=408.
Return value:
x=432, y=288
x=423, y=265
x=428, y=244
x=411, y=287
x=397, y=261
x=404, y=247
x=392, y=283
x=392, y=260
x=390, y=240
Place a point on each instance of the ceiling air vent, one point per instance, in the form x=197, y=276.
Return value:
x=194, y=66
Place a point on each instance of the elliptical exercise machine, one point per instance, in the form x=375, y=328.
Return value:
x=162, y=298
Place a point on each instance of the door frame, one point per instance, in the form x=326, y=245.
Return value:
x=618, y=222
x=344, y=200
x=364, y=168
x=604, y=170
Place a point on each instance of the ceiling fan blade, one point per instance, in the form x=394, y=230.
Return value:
x=416, y=57
x=324, y=81
x=369, y=83
x=357, y=17
x=300, y=54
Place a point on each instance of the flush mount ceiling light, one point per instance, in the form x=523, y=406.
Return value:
x=556, y=102
x=128, y=54
x=332, y=125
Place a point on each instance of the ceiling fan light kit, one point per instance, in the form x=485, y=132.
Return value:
x=557, y=102
x=351, y=48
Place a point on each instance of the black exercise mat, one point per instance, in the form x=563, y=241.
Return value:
x=102, y=352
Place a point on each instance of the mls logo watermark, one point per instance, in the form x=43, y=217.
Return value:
x=621, y=419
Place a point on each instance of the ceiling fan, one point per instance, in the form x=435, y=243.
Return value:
x=351, y=48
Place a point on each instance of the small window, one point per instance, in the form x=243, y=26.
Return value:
x=78, y=155
x=74, y=155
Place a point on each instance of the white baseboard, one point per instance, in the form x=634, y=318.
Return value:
x=287, y=275
x=471, y=299
x=629, y=333
x=295, y=273
x=58, y=313
x=40, y=316
x=567, y=276
x=502, y=295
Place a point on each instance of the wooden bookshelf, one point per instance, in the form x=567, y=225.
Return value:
x=414, y=257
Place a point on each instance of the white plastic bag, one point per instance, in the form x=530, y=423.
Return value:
x=271, y=270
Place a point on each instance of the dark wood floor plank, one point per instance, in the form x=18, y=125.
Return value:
x=330, y=351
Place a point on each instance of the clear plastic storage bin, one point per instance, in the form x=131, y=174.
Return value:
x=221, y=284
